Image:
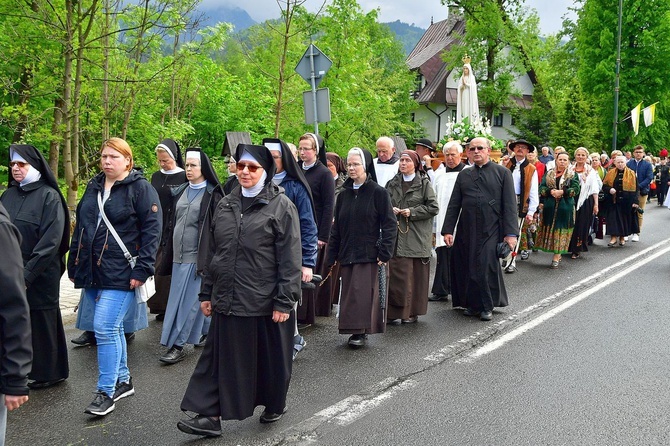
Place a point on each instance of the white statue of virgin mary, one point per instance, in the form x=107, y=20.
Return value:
x=467, y=103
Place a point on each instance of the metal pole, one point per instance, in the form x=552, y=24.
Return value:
x=313, y=79
x=616, y=80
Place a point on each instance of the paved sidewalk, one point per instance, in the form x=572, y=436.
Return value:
x=69, y=299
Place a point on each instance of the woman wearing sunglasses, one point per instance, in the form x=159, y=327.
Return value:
x=251, y=282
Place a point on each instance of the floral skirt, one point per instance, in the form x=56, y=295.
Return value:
x=556, y=241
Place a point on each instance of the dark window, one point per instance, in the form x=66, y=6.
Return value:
x=498, y=120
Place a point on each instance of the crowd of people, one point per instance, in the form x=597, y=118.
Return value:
x=294, y=232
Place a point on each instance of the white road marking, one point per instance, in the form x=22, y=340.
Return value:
x=504, y=339
x=442, y=353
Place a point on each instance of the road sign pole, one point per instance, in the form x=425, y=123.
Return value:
x=313, y=79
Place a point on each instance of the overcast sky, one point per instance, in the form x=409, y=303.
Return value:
x=550, y=11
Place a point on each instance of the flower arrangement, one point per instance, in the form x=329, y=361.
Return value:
x=465, y=131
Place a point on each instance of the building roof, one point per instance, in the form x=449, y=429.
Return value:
x=437, y=38
x=232, y=140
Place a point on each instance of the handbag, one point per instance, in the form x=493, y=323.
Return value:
x=145, y=291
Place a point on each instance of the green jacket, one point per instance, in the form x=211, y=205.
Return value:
x=415, y=236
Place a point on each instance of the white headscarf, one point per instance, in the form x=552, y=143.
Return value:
x=253, y=190
x=32, y=174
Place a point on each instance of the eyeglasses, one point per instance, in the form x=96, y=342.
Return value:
x=276, y=157
x=252, y=167
x=191, y=166
x=18, y=163
x=353, y=165
x=480, y=148
x=305, y=149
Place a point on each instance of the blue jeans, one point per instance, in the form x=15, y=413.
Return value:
x=110, y=308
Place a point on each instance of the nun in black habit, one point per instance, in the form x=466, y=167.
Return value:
x=171, y=174
x=39, y=211
x=251, y=282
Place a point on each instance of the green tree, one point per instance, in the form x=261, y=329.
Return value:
x=645, y=51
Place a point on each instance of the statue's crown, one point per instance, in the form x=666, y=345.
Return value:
x=466, y=59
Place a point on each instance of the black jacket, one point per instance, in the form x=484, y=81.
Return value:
x=164, y=183
x=254, y=258
x=322, y=186
x=95, y=259
x=359, y=218
x=212, y=196
x=36, y=210
x=15, y=337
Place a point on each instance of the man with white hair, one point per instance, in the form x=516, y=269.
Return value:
x=387, y=161
x=443, y=184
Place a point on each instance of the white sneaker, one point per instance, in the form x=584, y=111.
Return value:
x=625, y=238
x=635, y=237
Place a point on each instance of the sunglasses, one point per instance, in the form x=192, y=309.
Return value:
x=252, y=167
x=480, y=148
x=18, y=163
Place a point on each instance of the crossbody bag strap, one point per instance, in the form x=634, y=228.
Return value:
x=111, y=229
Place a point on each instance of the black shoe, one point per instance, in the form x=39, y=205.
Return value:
x=44, y=384
x=129, y=337
x=123, y=390
x=173, y=356
x=201, y=425
x=393, y=321
x=469, y=312
x=84, y=339
x=102, y=405
x=357, y=340
x=201, y=341
x=438, y=297
x=271, y=417
x=486, y=315
x=160, y=317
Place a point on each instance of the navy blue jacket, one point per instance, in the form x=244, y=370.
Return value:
x=644, y=173
x=295, y=190
x=133, y=208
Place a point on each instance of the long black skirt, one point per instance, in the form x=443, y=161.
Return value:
x=49, y=346
x=246, y=362
x=442, y=279
x=317, y=302
x=583, y=224
x=158, y=303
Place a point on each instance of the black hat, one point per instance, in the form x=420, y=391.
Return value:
x=425, y=142
x=291, y=166
x=262, y=155
x=206, y=166
x=531, y=148
x=172, y=146
x=35, y=158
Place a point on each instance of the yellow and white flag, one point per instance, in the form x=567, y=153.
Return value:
x=649, y=114
x=635, y=117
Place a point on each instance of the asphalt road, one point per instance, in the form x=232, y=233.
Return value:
x=579, y=357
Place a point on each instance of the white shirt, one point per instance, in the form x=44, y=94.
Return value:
x=385, y=171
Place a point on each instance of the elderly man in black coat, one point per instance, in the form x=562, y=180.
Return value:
x=484, y=199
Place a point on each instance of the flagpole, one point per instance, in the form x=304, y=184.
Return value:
x=616, y=81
